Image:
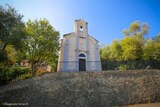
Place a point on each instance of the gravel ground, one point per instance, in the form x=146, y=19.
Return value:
x=84, y=89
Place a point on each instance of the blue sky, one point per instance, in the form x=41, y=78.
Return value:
x=106, y=18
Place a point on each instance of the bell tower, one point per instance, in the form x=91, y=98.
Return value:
x=82, y=43
x=81, y=28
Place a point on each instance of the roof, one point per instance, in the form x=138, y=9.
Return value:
x=67, y=34
x=93, y=38
x=81, y=20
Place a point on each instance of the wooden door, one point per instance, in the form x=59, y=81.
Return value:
x=82, y=65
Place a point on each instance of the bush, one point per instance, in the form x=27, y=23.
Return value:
x=122, y=67
x=7, y=74
x=129, y=65
x=41, y=71
x=23, y=76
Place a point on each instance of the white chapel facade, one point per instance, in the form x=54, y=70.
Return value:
x=79, y=51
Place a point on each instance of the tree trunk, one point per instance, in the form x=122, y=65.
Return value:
x=32, y=65
x=4, y=47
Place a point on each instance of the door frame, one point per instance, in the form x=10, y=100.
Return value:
x=84, y=63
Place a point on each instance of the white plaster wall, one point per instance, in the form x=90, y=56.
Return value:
x=95, y=63
x=72, y=47
x=82, y=43
x=72, y=53
x=91, y=49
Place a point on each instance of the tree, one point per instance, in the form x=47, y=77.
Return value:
x=157, y=51
x=105, y=53
x=152, y=49
x=132, y=48
x=157, y=38
x=132, y=44
x=11, y=28
x=116, y=51
x=137, y=29
x=11, y=33
x=148, y=50
x=42, y=43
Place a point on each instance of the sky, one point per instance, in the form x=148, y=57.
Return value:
x=106, y=18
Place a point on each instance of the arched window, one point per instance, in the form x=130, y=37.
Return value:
x=81, y=55
x=81, y=28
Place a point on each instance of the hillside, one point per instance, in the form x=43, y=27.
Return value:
x=85, y=89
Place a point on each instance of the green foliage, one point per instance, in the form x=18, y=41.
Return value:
x=132, y=44
x=37, y=41
x=137, y=28
x=148, y=50
x=8, y=74
x=106, y=64
x=152, y=49
x=3, y=56
x=158, y=38
x=11, y=27
x=23, y=76
x=123, y=67
x=42, y=43
x=41, y=71
x=134, y=27
x=115, y=51
x=129, y=48
x=105, y=52
x=12, y=35
x=134, y=48
x=12, y=54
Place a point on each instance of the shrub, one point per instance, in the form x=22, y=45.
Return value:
x=122, y=67
x=41, y=71
x=23, y=76
x=7, y=74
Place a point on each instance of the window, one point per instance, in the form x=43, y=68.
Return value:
x=81, y=55
x=81, y=28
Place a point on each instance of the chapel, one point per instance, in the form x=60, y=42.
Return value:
x=79, y=50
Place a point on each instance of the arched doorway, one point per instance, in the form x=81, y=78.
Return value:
x=82, y=62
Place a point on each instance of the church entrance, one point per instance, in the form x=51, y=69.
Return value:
x=82, y=65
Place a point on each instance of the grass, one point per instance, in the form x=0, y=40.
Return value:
x=85, y=89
